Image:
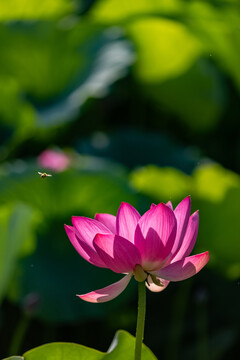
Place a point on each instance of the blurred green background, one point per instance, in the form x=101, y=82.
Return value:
x=142, y=100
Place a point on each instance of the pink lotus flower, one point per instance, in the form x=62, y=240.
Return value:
x=55, y=160
x=154, y=248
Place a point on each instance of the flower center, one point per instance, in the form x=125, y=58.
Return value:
x=139, y=274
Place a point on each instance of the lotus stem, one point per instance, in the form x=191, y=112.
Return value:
x=140, y=319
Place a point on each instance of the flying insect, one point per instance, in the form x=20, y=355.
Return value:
x=43, y=175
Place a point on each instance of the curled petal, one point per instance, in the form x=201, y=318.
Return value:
x=119, y=254
x=108, y=293
x=126, y=222
x=84, y=249
x=87, y=228
x=184, y=269
x=155, y=288
x=189, y=238
x=108, y=220
x=154, y=236
x=182, y=213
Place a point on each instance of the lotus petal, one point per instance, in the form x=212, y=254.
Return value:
x=169, y=204
x=189, y=238
x=154, y=236
x=83, y=249
x=119, y=254
x=108, y=220
x=184, y=269
x=87, y=228
x=156, y=288
x=182, y=214
x=108, y=293
x=126, y=222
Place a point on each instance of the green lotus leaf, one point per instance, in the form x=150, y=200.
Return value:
x=122, y=347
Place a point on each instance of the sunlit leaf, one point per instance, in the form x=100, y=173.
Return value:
x=34, y=10
x=218, y=181
x=111, y=11
x=123, y=347
x=162, y=184
x=171, y=51
x=64, y=351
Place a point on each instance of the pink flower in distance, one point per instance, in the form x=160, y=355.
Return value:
x=55, y=160
x=154, y=248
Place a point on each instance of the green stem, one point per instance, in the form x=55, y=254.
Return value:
x=140, y=319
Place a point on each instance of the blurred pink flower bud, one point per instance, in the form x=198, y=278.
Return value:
x=55, y=160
